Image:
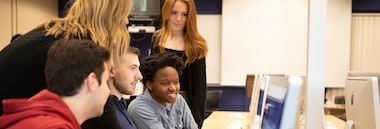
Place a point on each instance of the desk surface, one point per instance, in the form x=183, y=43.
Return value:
x=333, y=121
x=227, y=120
x=336, y=109
x=241, y=120
x=335, y=106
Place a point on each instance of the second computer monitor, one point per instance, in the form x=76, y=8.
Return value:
x=362, y=103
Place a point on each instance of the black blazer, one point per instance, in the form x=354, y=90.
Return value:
x=22, y=65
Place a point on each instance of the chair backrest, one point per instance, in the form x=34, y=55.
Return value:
x=213, y=97
x=339, y=100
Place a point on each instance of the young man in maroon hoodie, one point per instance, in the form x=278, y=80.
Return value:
x=76, y=75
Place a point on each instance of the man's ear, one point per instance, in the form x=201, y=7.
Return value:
x=112, y=70
x=91, y=81
x=149, y=85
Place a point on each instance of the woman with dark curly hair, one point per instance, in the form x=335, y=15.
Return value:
x=161, y=106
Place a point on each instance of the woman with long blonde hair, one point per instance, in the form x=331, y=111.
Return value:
x=22, y=62
x=179, y=34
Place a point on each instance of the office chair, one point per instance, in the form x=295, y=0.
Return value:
x=340, y=100
x=212, y=100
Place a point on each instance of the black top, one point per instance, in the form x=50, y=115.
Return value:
x=115, y=116
x=22, y=65
x=193, y=81
x=108, y=120
x=124, y=118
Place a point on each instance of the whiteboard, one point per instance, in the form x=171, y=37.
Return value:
x=263, y=36
x=270, y=37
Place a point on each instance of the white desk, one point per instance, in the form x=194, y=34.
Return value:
x=227, y=120
x=334, y=122
x=241, y=120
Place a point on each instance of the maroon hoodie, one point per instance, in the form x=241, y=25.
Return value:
x=45, y=110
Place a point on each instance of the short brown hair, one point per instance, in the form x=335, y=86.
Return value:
x=69, y=62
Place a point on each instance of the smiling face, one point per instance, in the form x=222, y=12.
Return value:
x=178, y=17
x=125, y=75
x=165, y=86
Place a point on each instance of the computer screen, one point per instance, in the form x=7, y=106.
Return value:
x=282, y=102
x=262, y=83
x=261, y=86
x=145, y=8
x=362, y=102
x=256, y=99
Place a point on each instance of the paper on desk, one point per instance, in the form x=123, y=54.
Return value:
x=330, y=125
x=238, y=116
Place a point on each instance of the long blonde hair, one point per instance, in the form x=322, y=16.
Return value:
x=102, y=21
x=195, y=44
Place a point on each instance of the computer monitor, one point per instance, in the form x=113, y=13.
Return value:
x=145, y=9
x=364, y=74
x=257, y=94
x=262, y=83
x=282, y=102
x=258, y=97
x=362, y=103
x=253, y=83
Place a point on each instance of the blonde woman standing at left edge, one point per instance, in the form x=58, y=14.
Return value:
x=22, y=62
x=179, y=34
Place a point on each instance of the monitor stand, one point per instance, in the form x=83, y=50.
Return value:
x=349, y=124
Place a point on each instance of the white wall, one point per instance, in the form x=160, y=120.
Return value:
x=338, y=40
x=6, y=22
x=263, y=36
x=209, y=26
x=267, y=36
x=21, y=16
x=30, y=13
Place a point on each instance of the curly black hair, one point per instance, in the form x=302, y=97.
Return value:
x=151, y=64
